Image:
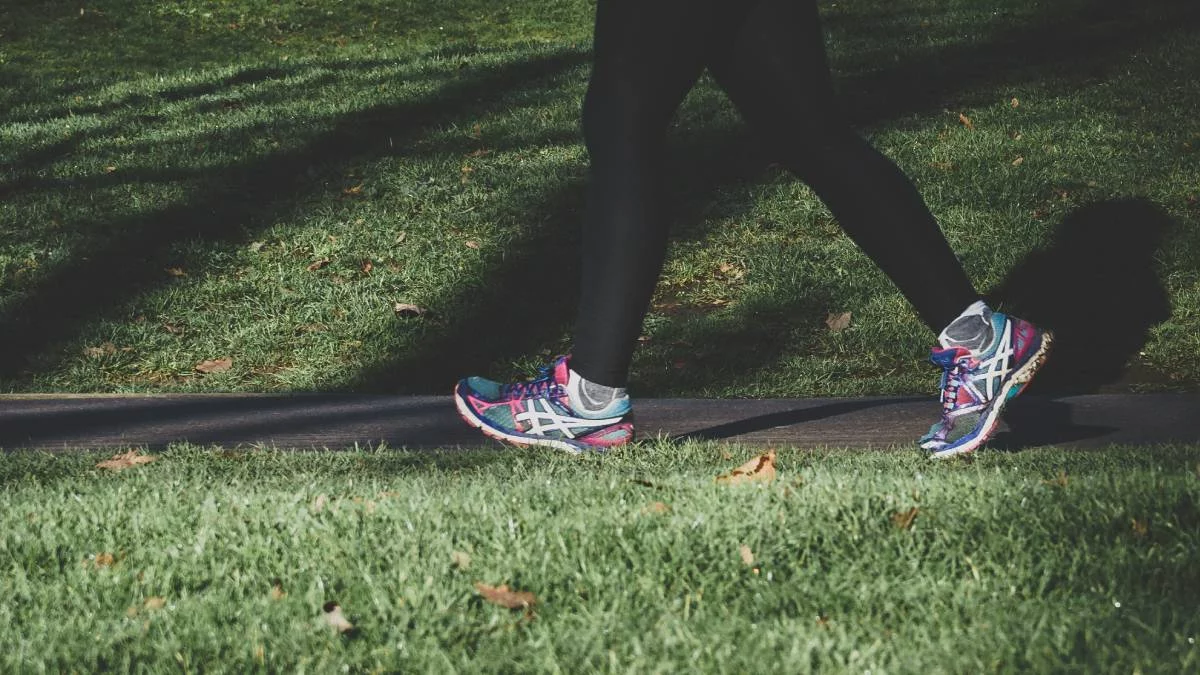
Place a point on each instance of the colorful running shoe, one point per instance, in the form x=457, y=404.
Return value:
x=539, y=412
x=975, y=387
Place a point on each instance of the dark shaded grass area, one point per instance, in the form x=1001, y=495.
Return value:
x=225, y=204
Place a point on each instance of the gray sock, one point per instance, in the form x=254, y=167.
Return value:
x=595, y=397
x=971, y=330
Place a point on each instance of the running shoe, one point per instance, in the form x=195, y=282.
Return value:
x=976, y=386
x=539, y=412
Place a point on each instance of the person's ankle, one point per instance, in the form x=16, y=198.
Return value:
x=591, y=400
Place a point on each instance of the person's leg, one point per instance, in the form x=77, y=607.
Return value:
x=648, y=55
x=775, y=71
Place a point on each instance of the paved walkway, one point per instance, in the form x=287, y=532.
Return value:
x=57, y=422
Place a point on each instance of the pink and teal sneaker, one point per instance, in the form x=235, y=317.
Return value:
x=539, y=412
x=976, y=385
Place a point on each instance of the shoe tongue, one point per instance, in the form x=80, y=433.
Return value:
x=562, y=372
x=947, y=357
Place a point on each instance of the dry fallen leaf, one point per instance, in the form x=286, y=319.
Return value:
x=406, y=309
x=837, y=322
x=471, y=243
x=1058, y=481
x=1015, y=102
x=366, y=266
x=503, y=596
x=747, y=554
x=335, y=619
x=761, y=469
x=277, y=592
x=176, y=271
x=104, y=560
x=154, y=603
x=214, y=365
x=460, y=560
x=318, y=504
x=656, y=507
x=105, y=349
x=125, y=461
x=904, y=519
x=318, y=264
x=1018, y=161
x=110, y=169
x=966, y=121
x=353, y=191
x=1140, y=527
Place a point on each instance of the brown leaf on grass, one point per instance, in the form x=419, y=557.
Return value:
x=505, y=597
x=214, y=365
x=407, y=309
x=904, y=519
x=366, y=266
x=656, y=507
x=103, y=560
x=761, y=469
x=482, y=152
x=746, y=554
x=318, y=504
x=823, y=620
x=105, y=349
x=1058, y=481
x=966, y=121
x=110, y=169
x=471, y=243
x=1014, y=102
x=125, y=460
x=353, y=191
x=332, y=614
x=176, y=271
x=461, y=560
x=838, y=322
x=173, y=329
x=477, y=131
x=1140, y=528
x=154, y=603
x=1018, y=161
x=318, y=264
x=277, y=592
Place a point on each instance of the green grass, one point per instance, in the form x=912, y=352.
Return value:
x=1007, y=567
x=169, y=173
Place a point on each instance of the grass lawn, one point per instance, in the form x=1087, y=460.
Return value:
x=265, y=181
x=1046, y=560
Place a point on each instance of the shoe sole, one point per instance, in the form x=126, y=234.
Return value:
x=1022, y=377
x=468, y=415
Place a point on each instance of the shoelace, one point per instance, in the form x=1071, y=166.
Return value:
x=542, y=385
x=952, y=381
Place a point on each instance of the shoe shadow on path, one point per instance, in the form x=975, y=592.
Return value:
x=1097, y=287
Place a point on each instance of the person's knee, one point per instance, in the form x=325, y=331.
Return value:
x=621, y=116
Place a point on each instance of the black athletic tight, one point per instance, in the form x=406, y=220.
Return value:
x=769, y=58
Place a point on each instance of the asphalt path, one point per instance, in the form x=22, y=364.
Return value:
x=339, y=421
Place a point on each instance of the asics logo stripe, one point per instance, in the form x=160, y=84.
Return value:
x=547, y=418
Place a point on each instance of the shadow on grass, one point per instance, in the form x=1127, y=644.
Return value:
x=492, y=327
x=130, y=260
x=1097, y=287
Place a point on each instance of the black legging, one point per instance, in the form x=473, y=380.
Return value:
x=769, y=57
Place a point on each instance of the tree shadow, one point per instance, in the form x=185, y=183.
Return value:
x=1097, y=287
x=128, y=258
x=494, y=325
